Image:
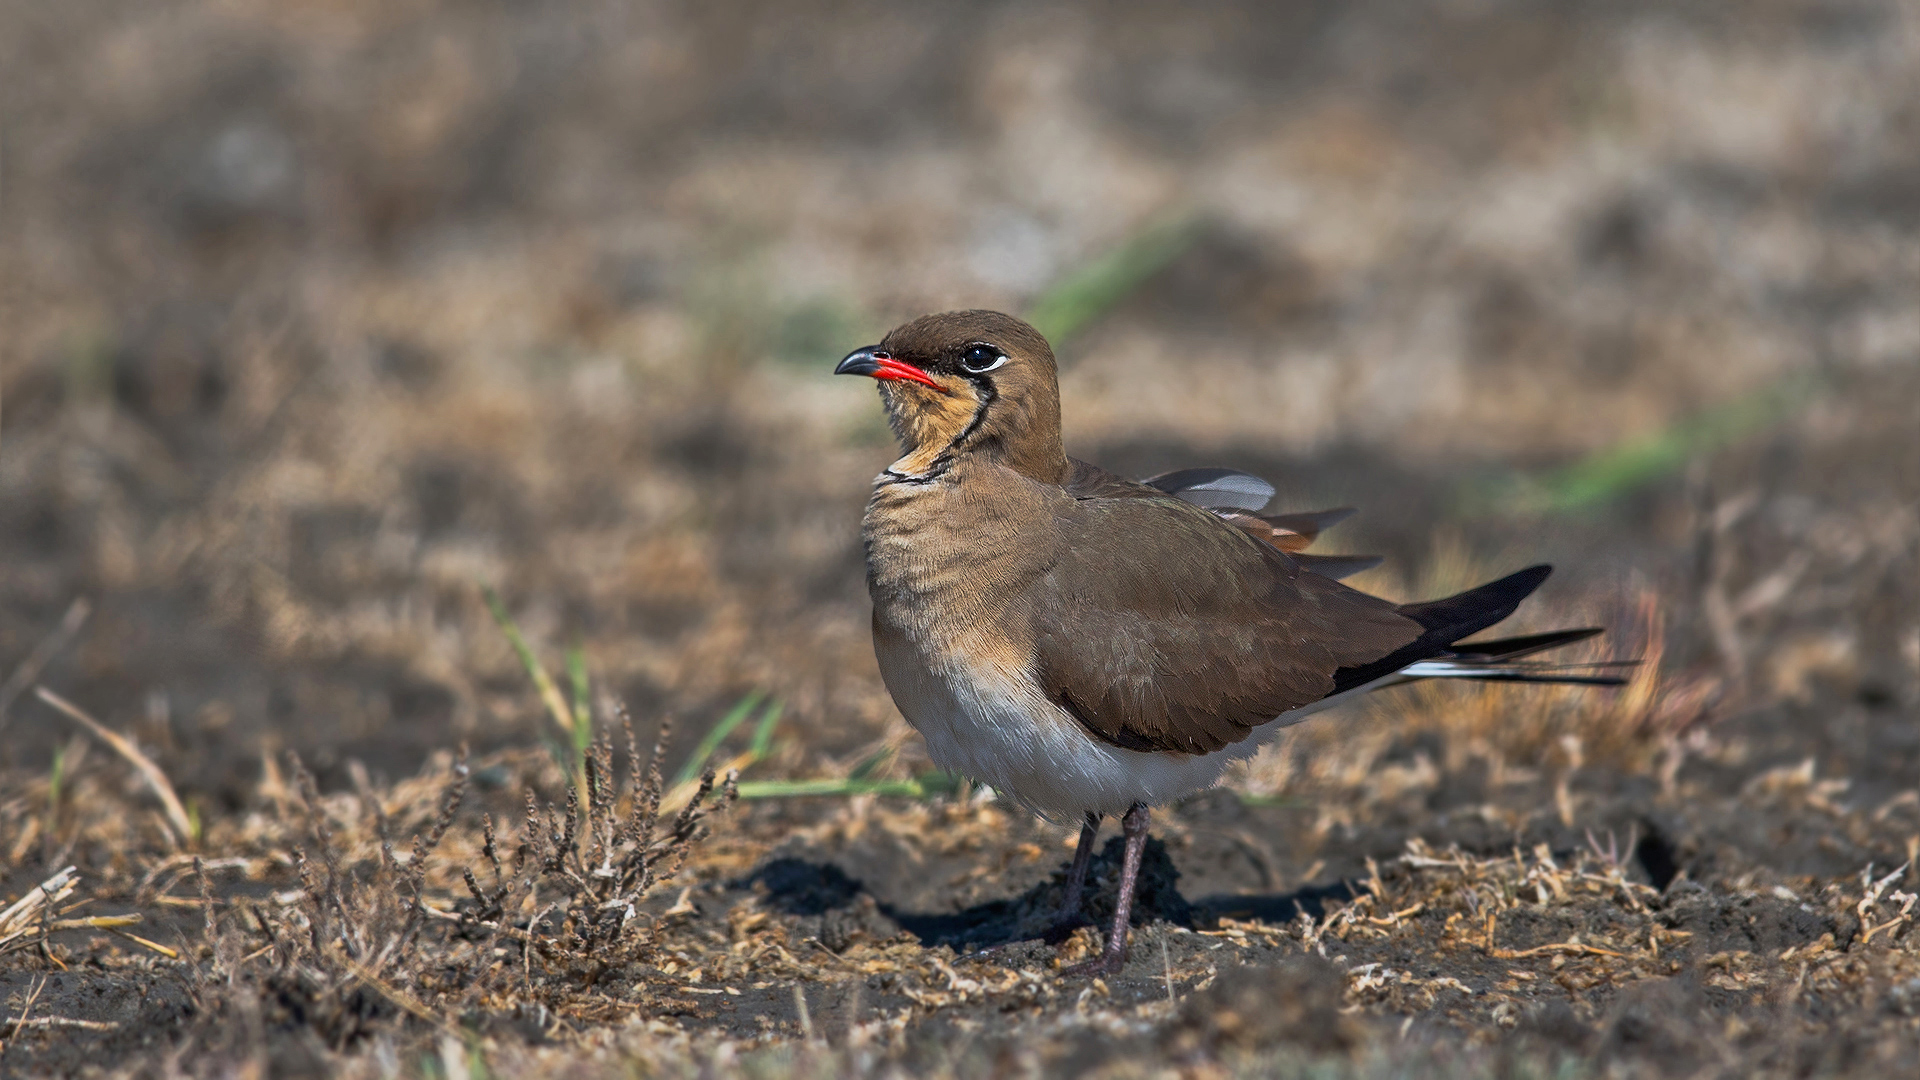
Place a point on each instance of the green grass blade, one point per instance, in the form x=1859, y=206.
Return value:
x=582, y=701
x=55, y=779
x=1070, y=304
x=938, y=783
x=826, y=787
x=872, y=765
x=691, y=771
x=549, y=693
x=921, y=787
x=1613, y=472
x=763, y=733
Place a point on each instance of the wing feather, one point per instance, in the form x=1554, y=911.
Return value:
x=1172, y=630
x=1288, y=532
x=1214, y=487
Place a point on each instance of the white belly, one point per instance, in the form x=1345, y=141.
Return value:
x=994, y=727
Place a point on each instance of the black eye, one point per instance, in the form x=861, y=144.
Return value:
x=981, y=357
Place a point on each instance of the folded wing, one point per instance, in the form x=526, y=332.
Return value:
x=1168, y=632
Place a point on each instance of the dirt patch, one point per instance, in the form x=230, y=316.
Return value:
x=319, y=319
x=1540, y=947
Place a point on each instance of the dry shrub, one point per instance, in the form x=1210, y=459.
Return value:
x=373, y=938
x=601, y=863
x=349, y=950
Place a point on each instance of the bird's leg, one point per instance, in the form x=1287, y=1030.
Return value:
x=1134, y=824
x=1068, y=917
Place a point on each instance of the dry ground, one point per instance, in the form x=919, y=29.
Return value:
x=319, y=318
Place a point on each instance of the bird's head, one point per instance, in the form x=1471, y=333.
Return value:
x=968, y=383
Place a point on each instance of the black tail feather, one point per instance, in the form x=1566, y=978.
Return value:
x=1514, y=648
x=1548, y=678
x=1452, y=618
x=1447, y=620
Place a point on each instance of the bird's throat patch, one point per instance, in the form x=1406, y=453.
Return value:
x=933, y=427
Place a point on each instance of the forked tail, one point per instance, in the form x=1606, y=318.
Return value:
x=1502, y=660
x=1439, y=653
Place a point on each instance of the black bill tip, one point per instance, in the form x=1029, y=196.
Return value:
x=864, y=361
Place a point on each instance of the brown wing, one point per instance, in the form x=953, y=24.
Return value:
x=1170, y=629
x=1288, y=532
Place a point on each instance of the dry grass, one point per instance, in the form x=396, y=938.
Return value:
x=355, y=938
x=320, y=317
x=365, y=941
x=310, y=939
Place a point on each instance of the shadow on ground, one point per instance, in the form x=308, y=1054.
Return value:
x=809, y=889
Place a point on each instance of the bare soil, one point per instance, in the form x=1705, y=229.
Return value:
x=320, y=318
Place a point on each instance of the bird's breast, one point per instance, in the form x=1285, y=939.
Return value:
x=948, y=560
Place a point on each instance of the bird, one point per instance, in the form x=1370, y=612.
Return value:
x=1094, y=646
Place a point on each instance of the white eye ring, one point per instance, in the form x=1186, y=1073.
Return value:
x=966, y=364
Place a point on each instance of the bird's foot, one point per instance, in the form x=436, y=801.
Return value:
x=1106, y=965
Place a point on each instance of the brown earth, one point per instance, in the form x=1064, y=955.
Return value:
x=321, y=316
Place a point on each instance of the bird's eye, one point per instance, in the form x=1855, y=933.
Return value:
x=981, y=358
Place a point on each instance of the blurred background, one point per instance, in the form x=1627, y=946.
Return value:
x=320, y=315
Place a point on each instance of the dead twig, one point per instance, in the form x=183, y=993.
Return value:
x=28, y=914
x=1393, y=918
x=396, y=995
x=1871, y=893
x=157, y=780
x=25, y=1010
x=113, y=924
x=1572, y=948
x=28, y=920
x=14, y=1026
